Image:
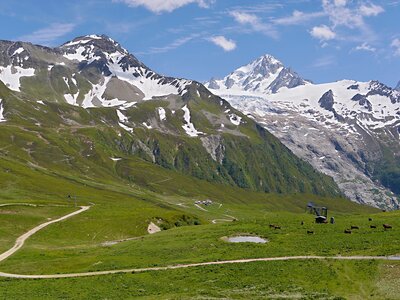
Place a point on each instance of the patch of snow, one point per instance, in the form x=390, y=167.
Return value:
x=81, y=54
x=112, y=102
x=189, y=127
x=74, y=80
x=40, y=102
x=235, y=119
x=11, y=76
x=151, y=86
x=122, y=118
x=97, y=91
x=147, y=125
x=127, y=105
x=162, y=114
x=66, y=81
x=72, y=99
x=49, y=67
x=73, y=43
x=94, y=36
x=125, y=127
x=115, y=158
x=18, y=51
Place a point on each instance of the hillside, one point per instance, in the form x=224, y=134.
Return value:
x=123, y=183
x=88, y=103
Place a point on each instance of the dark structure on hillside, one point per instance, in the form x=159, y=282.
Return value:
x=321, y=213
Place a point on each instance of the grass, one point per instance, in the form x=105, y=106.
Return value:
x=123, y=211
x=260, y=280
x=18, y=219
x=42, y=165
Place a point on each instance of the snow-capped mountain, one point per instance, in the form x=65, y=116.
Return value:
x=347, y=129
x=264, y=75
x=93, y=91
x=123, y=81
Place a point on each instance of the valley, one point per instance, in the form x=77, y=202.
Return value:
x=118, y=182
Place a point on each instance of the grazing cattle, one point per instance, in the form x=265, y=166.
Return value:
x=302, y=223
x=370, y=219
x=387, y=226
x=277, y=227
x=372, y=226
x=348, y=231
x=310, y=232
x=271, y=226
x=354, y=227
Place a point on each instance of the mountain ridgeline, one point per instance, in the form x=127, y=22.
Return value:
x=85, y=108
x=349, y=130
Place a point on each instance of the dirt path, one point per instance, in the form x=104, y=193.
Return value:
x=237, y=261
x=201, y=208
x=21, y=240
x=215, y=221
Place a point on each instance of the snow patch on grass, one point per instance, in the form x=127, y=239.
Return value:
x=162, y=114
x=235, y=119
x=189, y=127
x=11, y=76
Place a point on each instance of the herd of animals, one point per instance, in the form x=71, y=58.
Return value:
x=347, y=231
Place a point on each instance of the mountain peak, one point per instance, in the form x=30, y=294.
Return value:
x=264, y=66
x=95, y=41
x=397, y=86
x=265, y=74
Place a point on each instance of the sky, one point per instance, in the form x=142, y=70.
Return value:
x=322, y=40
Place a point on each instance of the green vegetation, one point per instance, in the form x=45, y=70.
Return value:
x=53, y=150
x=261, y=280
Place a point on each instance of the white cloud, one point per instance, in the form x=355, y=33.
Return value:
x=339, y=3
x=352, y=15
x=324, y=62
x=298, y=17
x=223, y=42
x=323, y=33
x=173, y=45
x=159, y=6
x=47, y=35
x=371, y=10
x=254, y=22
x=245, y=18
x=341, y=15
x=396, y=46
x=365, y=47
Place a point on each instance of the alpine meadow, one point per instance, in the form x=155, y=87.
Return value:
x=147, y=153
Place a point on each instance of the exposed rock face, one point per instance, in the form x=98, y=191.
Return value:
x=346, y=129
x=94, y=90
x=214, y=147
x=327, y=101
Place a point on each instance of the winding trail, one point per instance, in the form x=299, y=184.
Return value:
x=20, y=242
x=211, y=263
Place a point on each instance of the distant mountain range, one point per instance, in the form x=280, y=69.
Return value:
x=346, y=129
x=78, y=108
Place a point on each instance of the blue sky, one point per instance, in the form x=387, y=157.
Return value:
x=323, y=40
